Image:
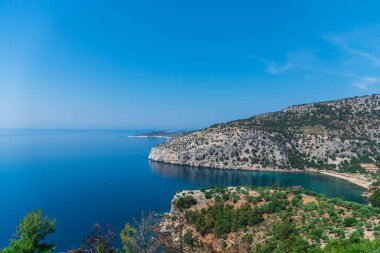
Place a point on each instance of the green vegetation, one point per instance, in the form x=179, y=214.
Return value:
x=188, y=238
x=140, y=237
x=256, y=219
x=185, y=202
x=33, y=229
x=30, y=234
x=336, y=135
x=375, y=198
x=126, y=236
x=350, y=222
x=346, y=246
x=275, y=219
x=286, y=238
x=354, y=165
x=221, y=220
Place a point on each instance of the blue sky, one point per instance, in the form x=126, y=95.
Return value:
x=179, y=64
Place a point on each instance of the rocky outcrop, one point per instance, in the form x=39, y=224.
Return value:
x=171, y=227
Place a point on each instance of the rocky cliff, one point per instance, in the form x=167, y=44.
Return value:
x=330, y=135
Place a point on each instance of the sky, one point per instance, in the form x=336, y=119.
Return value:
x=179, y=64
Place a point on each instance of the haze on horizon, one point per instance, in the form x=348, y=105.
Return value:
x=179, y=64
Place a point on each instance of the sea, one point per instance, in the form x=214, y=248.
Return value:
x=83, y=177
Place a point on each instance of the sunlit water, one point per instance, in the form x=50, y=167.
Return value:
x=83, y=177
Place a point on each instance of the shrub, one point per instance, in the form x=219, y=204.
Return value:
x=185, y=202
x=316, y=234
x=222, y=227
x=247, y=239
x=375, y=198
x=350, y=222
x=208, y=195
x=188, y=238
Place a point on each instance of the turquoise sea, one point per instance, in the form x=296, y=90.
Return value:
x=85, y=176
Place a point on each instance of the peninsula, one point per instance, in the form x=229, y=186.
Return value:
x=339, y=138
x=160, y=134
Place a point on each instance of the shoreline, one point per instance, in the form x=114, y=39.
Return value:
x=349, y=178
x=343, y=176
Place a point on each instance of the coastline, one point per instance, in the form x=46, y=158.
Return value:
x=349, y=178
x=356, y=180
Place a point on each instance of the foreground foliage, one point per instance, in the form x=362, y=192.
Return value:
x=33, y=229
x=30, y=233
x=252, y=219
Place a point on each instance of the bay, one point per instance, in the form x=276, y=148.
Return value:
x=81, y=177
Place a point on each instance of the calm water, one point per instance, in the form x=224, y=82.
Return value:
x=82, y=177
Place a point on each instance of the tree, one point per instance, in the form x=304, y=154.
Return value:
x=375, y=198
x=30, y=233
x=283, y=230
x=188, y=238
x=185, y=202
x=97, y=242
x=127, y=238
x=141, y=237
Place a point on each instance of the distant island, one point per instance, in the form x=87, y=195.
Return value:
x=160, y=134
x=339, y=138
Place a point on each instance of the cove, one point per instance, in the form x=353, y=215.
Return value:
x=85, y=176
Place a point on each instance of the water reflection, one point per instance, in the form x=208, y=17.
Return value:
x=202, y=177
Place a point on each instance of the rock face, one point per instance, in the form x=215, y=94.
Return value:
x=172, y=224
x=318, y=135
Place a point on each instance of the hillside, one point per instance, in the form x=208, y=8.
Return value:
x=258, y=219
x=340, y=135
